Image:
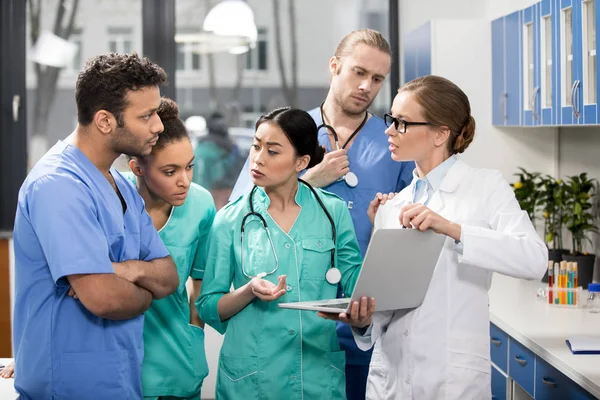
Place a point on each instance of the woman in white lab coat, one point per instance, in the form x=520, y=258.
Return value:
x=441, y=350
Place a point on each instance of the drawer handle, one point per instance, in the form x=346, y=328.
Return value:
x=549, y=382
x=495, y=341
x=520, y=361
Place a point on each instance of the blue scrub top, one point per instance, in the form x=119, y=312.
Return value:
x=70, y=221
x=371, y=161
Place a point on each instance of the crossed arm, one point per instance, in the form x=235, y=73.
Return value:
x=129, y=291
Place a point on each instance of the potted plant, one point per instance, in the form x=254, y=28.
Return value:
x=580, y=221
x=526, y=192
x=552, y=203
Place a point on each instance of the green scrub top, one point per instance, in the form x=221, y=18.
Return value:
x=269, y=352
x=174, y=359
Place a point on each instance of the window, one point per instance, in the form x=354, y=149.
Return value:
x=258, y=55
x=75, y=66
x=567, y=56
x=187, y=58
x=547, y=62
x=589, y=46
x=528, y=69
x=120, y=40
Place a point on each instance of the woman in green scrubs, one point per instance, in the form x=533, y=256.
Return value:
x=269, y=352
x=174, y=360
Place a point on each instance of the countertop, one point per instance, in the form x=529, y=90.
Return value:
x=543, y=328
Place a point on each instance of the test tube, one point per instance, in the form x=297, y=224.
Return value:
x=550, y=282
x=575, y=282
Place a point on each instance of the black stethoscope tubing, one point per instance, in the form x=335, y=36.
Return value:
x=264, y=222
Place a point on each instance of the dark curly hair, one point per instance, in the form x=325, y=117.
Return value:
x=174, y=128
x=105, y=80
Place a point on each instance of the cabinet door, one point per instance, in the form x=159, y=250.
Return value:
x=548, y=40
x=498, y=385
x=589, y=81
x=498, y=70
x=570, y=62
x=531, y=65
x=513, y=65
x=410, y=57
x=551, y=384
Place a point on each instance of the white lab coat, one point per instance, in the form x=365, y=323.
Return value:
x=441, y=350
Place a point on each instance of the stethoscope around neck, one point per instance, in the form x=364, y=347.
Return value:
x=350, y=178
x=333, y=275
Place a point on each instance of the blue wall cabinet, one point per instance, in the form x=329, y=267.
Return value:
x=531, y=66
x=570, y=67
x=590, y=16
x=498, y=77
x=544, y=65
x=549, y=59
x=417, y=53
x=506, y=70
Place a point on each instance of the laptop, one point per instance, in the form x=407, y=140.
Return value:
x=396, y=271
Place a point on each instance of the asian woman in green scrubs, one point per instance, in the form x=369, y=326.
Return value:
x=282, y=242
x=174, y=360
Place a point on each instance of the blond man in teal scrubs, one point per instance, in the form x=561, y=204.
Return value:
x=269, y=352
x=174, y=360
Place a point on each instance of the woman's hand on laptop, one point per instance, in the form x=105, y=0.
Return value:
x=420, y=217
x=359, y=316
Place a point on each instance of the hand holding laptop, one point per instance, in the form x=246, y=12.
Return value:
x=358, y=316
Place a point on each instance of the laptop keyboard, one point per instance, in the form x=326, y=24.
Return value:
x=334, y=305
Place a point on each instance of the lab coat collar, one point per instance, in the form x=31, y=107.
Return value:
x=453, y=178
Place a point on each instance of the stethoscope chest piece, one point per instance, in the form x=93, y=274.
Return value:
x=333, y=276
x=351, y=179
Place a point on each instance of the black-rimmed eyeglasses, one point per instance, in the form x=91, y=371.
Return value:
x=399, y=123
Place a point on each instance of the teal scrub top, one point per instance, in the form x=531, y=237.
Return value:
x=270, y=352
x=174, y=359
x=211, y=164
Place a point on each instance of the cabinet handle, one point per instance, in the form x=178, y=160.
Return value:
x=534, y=112
x=520, y=361
x=549, y=382
x=495, y=341
x=573, y=98
x=504, y=113
x=576, y=97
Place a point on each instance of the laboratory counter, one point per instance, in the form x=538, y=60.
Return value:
x=528, y=343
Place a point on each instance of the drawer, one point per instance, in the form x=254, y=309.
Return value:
x=551, y=384
x=499, y=347
x=521, y=365
x=498, y=384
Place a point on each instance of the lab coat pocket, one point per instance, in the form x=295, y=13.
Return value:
x=316, y=258
x=198, y=353
x=237, y=375
x=98, y=375
x=469, y=366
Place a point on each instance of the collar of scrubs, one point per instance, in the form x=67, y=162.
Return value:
x=97, y=175
x=262, y=201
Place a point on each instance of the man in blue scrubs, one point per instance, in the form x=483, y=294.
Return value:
x=82, y=230
x=357, y=71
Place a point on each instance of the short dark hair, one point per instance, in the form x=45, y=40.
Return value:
x=105, y=80
x=300, y=129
